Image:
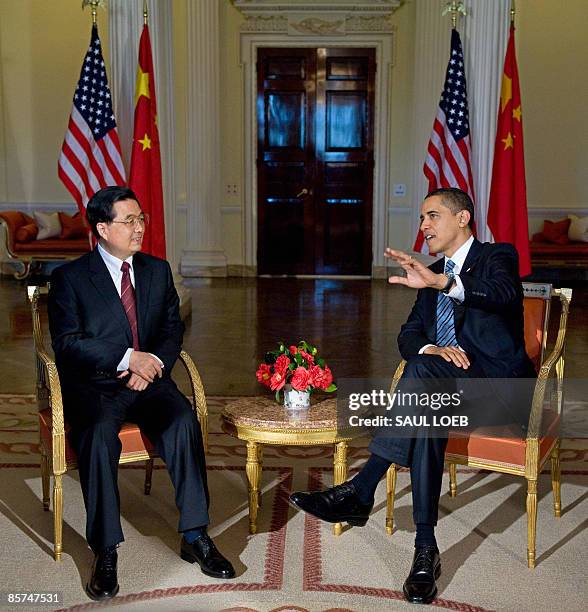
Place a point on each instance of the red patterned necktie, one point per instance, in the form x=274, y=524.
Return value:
x=127, y=296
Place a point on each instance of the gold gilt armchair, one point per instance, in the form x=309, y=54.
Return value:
x=57, y=457
x=487, y=449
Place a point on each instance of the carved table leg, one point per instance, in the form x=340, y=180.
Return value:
x=253, y=470
x=260, y=461
x=339, y=473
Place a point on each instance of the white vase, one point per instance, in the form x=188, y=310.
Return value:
x=296, y=400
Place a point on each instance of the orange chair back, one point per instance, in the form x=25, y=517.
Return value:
x=535, y=313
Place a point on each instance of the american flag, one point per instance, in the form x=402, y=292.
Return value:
x=91, y=156
x=449, y=152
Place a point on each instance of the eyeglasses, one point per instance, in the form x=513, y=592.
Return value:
x=130, y=222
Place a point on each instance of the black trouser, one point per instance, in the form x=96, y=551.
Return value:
x=423, y=451
x=166, y=417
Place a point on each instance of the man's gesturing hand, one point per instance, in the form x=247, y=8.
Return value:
x=451, y=354
x=418, y=275
x=145, y=365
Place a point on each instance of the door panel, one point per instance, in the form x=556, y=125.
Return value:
x=285, y=159
x=315, y=160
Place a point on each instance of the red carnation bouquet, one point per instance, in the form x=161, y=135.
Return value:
x=299, y=366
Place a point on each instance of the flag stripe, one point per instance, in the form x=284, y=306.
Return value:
x=94, y=154
x=76, y=193
x=78, y=151
x=114, y=152
x=87, y=178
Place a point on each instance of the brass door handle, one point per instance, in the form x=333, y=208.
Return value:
x=302, y=193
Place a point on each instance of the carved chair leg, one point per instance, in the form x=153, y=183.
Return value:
x=45, y=478
x=453, y=479
x=391, y=475
x=148, y=475
x=57, y=516
x=556, y=480
x=531, y=521
x=339, y=474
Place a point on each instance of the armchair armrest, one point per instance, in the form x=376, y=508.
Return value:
x=48, y=385
x=397, y=375
x=198, y=397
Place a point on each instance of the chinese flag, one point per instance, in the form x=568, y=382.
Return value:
x=145, y=175
x=507, y=209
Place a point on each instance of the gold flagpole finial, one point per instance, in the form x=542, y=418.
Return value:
x=94, y=4
x=512, y=12
x=455, y=8
x=145, y=13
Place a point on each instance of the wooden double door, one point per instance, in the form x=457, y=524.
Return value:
x=315, y=160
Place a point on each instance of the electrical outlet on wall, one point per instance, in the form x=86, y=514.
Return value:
x=231, y=189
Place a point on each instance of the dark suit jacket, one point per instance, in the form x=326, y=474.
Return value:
x=89, y=327
x=488, y=323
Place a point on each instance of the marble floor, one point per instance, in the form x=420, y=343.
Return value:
x=235, y=320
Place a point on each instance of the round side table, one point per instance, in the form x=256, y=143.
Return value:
x=261, y=420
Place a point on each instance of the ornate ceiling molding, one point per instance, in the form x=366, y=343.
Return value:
x=317, y=17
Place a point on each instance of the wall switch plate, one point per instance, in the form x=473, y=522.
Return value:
x=398, y=190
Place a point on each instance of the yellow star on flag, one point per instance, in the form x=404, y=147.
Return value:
x=146, y=142
x=516, y=113
x=505, y=92
x=142, y=86
x=508, y=141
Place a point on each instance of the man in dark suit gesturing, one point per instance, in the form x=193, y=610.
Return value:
x=466, y=323
x=116, y=332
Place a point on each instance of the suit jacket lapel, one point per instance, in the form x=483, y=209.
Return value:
x=142, y=287
x=102, y=281
x=469, y=264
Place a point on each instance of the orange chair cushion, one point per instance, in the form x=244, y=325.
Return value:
x=133, y=441
x=556, y=231
x=26, y=233
x=15, y=219
x=534, y=309
x=73, y=227
x=498, y=444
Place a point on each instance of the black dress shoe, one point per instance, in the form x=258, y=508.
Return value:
x=420, y=586
x=103, y=583
x=206, y=554
x=339, y=504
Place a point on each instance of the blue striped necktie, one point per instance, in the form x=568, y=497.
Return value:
x=445, y=320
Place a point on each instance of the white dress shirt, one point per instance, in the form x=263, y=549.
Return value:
x=114, y=264
x=458, y=292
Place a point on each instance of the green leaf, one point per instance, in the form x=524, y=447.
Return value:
x=278, y=397
x=320, y=362
x=332, y=387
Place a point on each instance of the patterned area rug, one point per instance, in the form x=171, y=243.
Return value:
x=294, y=563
